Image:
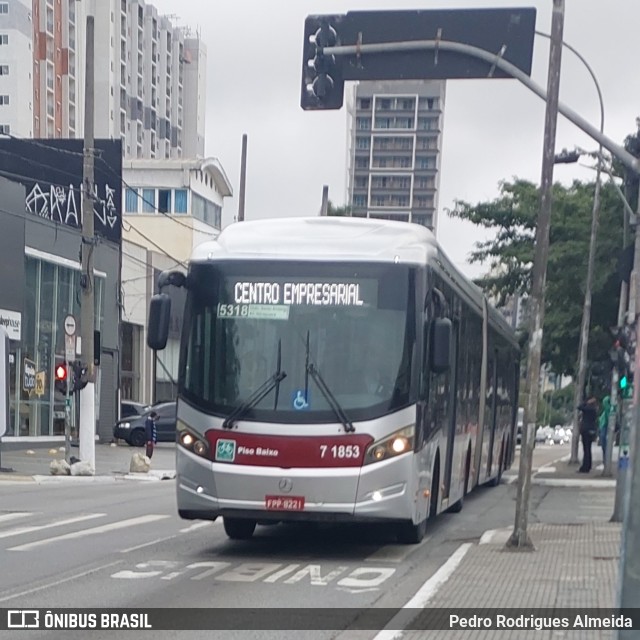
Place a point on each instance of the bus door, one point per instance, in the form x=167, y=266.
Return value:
x=451, y=419
x=492, y=407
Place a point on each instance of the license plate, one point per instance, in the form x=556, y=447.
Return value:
x=284, y=503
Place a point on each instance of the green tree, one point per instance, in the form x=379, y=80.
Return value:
x=333, y=210
x=509, y=255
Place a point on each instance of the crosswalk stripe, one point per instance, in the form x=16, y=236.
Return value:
x=14, y=516
x=58, y=523
x=121, y=524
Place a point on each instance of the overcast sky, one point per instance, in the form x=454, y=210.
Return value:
x=493, y=129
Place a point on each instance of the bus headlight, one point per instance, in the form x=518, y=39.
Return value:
x=396, y=444
x=191, y=441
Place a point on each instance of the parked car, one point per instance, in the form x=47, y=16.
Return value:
x=129, y=408
x=131, y=429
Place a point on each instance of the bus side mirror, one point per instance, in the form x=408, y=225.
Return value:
x=159, y=317
x=441, y=345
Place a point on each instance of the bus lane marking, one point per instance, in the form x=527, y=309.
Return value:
x=344, y=578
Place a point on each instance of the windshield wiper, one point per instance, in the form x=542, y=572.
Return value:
x=312, y=370
x=261, y=392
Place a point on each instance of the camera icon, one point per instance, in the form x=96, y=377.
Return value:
x=23, y=619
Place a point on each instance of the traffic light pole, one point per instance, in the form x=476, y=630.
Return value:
x=67, y=414
x=629, y=469
x=614, y=414
x=87, y=428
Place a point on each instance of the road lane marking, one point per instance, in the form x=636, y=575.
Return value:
x=57, y=523
x=14, y=516
x=193, y=527
x=397, y=625
x=121, y=524
x=75, y=576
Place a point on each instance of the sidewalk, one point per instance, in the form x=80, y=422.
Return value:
x=575, y=563
x=31, y=464
x=551, y=467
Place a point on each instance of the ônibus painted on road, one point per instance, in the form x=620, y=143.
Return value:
x=335, y=369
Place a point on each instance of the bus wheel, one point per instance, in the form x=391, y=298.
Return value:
x=409, y=533
x=456, y=507
x=239, y=528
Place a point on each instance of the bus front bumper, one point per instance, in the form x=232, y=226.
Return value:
x=376, y=492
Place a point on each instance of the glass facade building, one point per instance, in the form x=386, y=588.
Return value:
x=52, y=292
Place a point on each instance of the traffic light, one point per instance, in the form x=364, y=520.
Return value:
x=322, y=82
x=80, y=380
x=625, y=384
x=61, y=377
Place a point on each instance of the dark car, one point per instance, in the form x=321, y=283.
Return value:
x=129, y=408
x=131, y=430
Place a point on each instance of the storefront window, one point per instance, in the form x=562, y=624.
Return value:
x=52, y=292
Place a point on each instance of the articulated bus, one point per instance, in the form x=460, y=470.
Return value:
x=335, y=369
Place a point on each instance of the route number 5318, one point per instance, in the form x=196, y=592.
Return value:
x=340, y=451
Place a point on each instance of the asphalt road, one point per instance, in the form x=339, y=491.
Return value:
x=122, y=545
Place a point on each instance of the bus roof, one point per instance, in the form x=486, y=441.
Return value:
x=345, y=239
x=321, y=238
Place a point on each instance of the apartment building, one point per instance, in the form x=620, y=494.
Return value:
x=150, y=88
x=394, y=143
x=149, y=75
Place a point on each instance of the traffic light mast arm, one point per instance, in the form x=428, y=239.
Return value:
x=622, y=154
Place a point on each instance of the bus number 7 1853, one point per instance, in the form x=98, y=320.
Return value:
x=340, y=451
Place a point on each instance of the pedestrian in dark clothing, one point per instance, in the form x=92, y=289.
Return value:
x=588, y=431
x=151, y=432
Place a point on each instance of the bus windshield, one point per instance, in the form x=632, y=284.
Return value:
x=248, y=321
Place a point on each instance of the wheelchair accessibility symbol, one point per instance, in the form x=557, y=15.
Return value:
x=300, y=400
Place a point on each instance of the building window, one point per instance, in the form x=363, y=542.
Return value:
x=180, y=201
x=4, y=7
x=359, y=201
x=426, y=163
x=4, y=69
x=131, y=201
x=363, y=123
x=4, y=38
x=4, y=99
x=5, y=129
x=361, y=182
x=365, y=103
x=362, y=143
x=164, y=200
x=148, y=200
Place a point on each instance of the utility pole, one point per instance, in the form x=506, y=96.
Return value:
x=87, y=322
x=613, y=397
x=324, y=208
x=243, y=178
x=629, y=463
x=519, y=538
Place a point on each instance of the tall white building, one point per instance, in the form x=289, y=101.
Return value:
x=395, y=138
x=149, y=75
x=149, y=81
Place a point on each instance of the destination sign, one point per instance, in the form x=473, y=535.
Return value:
x=298, y=293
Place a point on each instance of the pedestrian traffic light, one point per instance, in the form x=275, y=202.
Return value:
x=61, y=378
x=322, y=82
x=625, y=384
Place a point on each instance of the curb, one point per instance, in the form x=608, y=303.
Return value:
x=152, y=476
